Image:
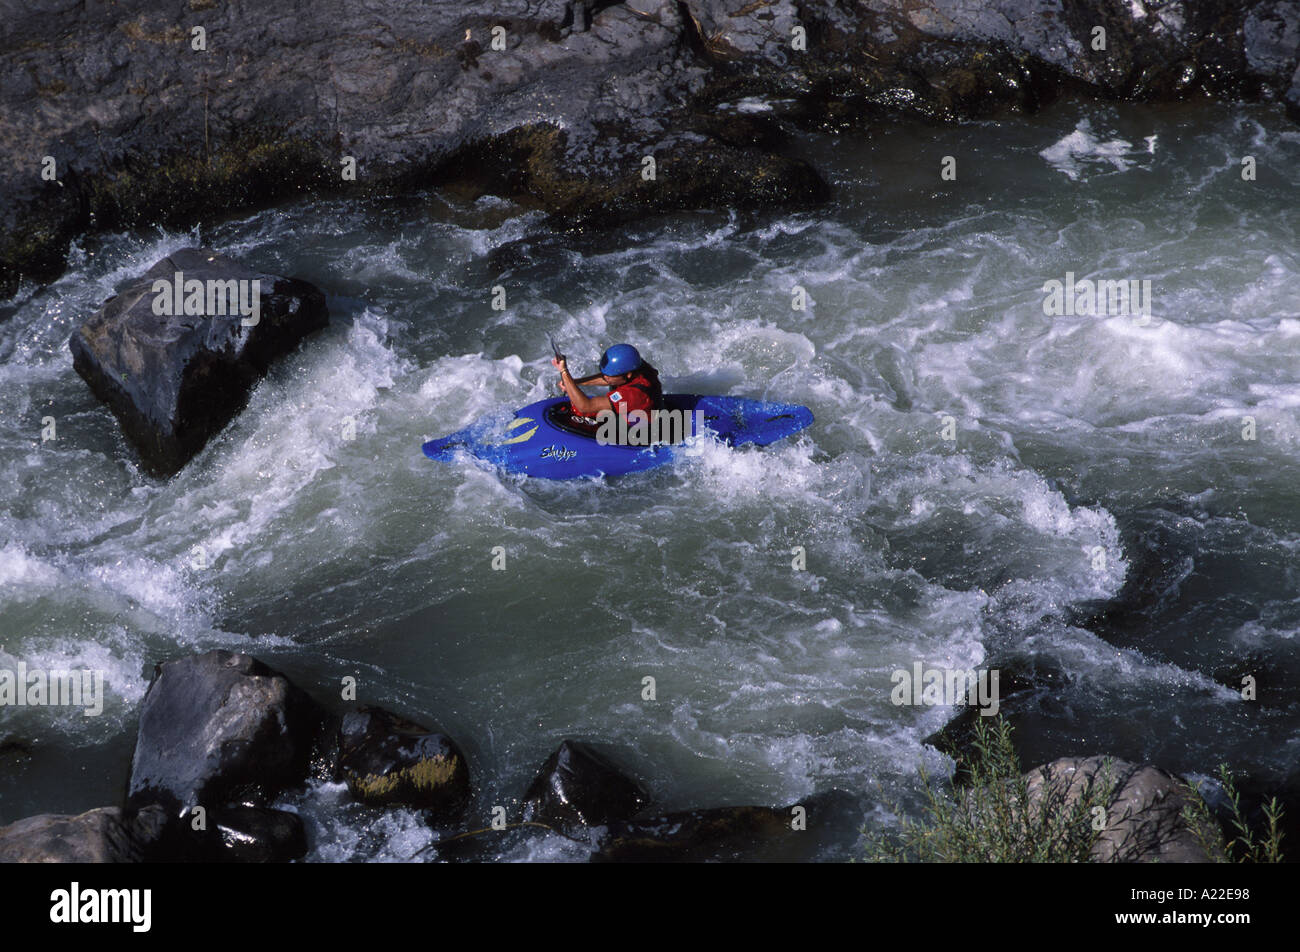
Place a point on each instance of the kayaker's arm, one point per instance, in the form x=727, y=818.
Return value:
x=597, y=378
x=581, y=403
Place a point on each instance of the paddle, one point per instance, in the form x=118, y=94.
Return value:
x=555, y=350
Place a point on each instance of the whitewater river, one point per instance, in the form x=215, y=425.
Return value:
x=1099, y=523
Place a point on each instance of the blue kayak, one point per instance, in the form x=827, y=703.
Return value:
x=545, y=439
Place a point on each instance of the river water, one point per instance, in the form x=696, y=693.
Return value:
x=1098, y=523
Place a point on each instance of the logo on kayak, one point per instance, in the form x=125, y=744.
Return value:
x=514, y=425
x=559, y=453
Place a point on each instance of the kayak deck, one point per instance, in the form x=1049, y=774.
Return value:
x=540, y=440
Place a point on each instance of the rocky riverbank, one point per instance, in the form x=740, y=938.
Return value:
x=182, y=111
x=222, y=737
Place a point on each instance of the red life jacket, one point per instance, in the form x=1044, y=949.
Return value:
x=642, y=392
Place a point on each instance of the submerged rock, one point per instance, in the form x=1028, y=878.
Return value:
x=578, y=788
x=175, y=379
x=221, y=728
x=388, y=760
x=1144, y=815
x=1024, y=684
x=104, y=835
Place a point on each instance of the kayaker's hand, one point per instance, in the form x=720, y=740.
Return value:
x=560, y=364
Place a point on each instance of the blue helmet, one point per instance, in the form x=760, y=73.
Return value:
x=619, y=359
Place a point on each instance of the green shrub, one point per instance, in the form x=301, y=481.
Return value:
x=1242, y=844
x=997, y=818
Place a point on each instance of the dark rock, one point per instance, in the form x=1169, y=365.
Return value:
x=578, y=788
x=104, y=835
x=1144, y=816
x=145, y=129
x=1272, y=48
x=1254, y=795
x=1271, y=34
x=388, y=760
x=752, y=833
x=220, y=834
x=221, y=728
x=14, y=749
x=174, y=381
x=1022, y=683
x=257, y=835
x=586, y=185
x=488, y=845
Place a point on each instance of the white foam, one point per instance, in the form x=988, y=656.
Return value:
x=1081, y=151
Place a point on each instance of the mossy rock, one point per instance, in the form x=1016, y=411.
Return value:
x=387, y=760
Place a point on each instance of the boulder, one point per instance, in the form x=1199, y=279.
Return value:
x=176, y=379
x=753, y=833
x=388, y=760
x=1144, y=817
x=692, y=835
x=104, y=835
x=578, y=788
x=221, y=728
x=256, y=835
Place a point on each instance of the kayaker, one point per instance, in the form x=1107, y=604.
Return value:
x=634, y=384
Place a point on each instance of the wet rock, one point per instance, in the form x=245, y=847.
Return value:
x=103, y=835
x=256, y=835
x=517, y=842
x=955, y=59
x=1272, y=48
x=1025, y=684
x=14, y=750
x=388, y=760
x=769, y=834
x=174, y=380
x=1144, y=816
x=220, y=834
x=221, y=728
x=578, y=788
x=144, y=130
x=585, y=185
